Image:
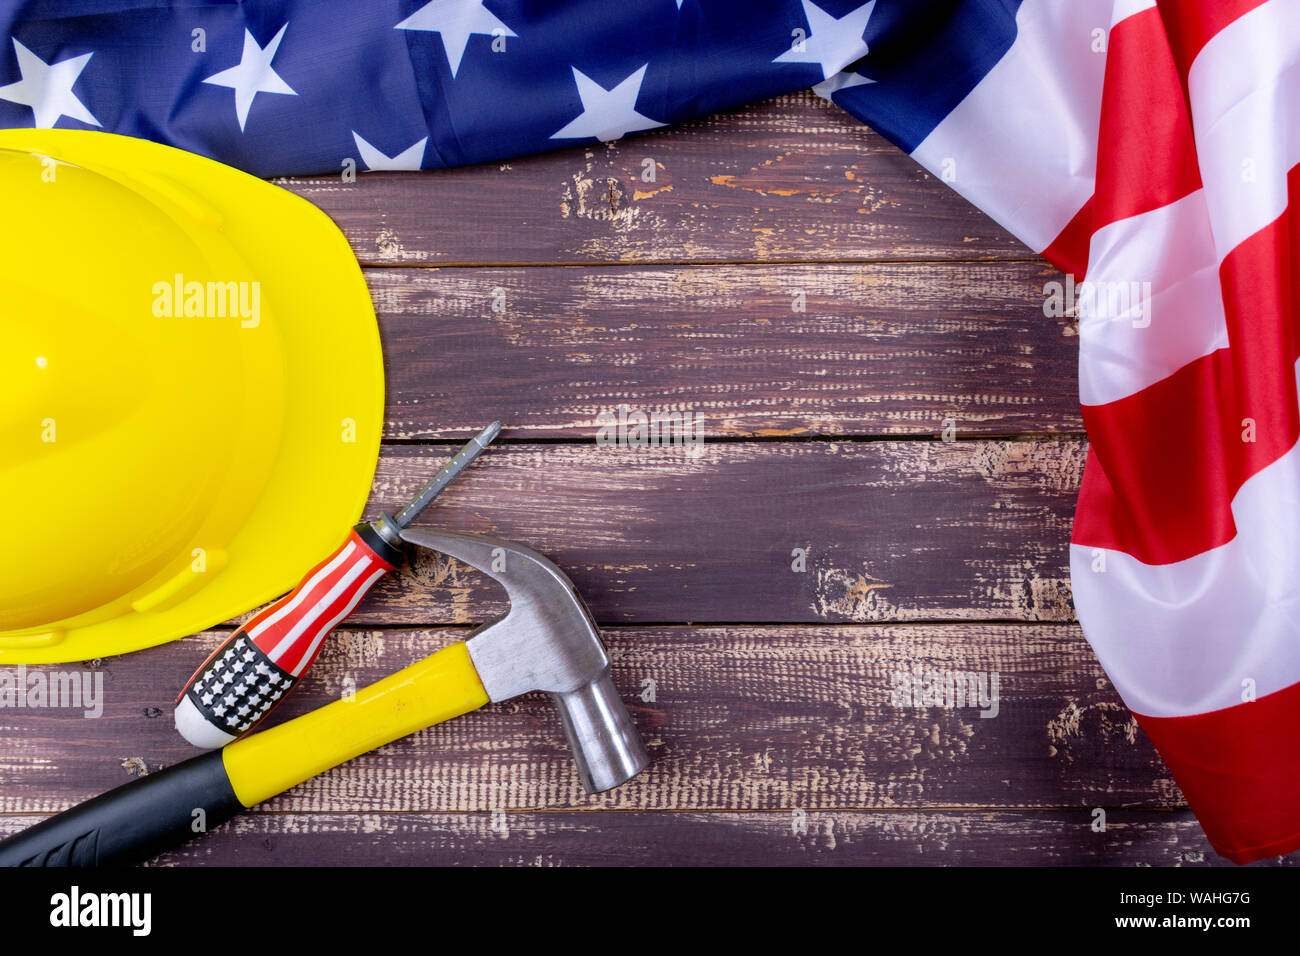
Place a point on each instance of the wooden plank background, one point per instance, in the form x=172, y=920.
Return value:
x=914, y=429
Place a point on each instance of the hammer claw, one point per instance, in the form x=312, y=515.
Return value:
x=548, y=642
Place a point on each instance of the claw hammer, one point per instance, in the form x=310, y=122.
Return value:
x=546, y=641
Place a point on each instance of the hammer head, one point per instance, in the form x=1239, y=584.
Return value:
x=548, y=642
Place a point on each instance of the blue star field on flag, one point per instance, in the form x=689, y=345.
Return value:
x=303, y=86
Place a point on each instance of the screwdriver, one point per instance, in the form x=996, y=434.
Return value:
x=248, y=675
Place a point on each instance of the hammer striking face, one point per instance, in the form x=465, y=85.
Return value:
x=548, y=642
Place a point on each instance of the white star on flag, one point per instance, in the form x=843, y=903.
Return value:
x=376, y=161
x=827, y=89
x=47, y=88
x=832, y=43
x=253, y=75
x=607, y=114
x=455, y=21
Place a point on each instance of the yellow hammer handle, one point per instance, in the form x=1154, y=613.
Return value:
x=437, y=688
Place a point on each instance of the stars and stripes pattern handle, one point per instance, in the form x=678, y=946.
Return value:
x=250, y=674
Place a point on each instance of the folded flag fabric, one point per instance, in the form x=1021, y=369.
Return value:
x=1150, y=149
x=1152, y=152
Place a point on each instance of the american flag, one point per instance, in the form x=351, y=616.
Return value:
x=1148, y=148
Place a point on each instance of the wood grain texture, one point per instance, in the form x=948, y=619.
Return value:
x=841, y=838
x=735, y=718
x=795, y=178
x=875, y=349
x=893, y=530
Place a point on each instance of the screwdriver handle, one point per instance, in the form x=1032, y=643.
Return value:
x=248, y=675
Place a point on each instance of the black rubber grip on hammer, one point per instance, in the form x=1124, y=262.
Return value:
x=136, y=821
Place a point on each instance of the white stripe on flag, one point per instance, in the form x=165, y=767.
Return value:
x=1167, y=253
x=1244, y=88
x=1126, y=8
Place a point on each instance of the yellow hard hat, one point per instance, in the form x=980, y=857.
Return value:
x=191, y=393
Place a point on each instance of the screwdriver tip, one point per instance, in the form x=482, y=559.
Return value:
x=489, y=433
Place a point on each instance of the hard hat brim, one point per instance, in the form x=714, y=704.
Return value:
x=326, y=449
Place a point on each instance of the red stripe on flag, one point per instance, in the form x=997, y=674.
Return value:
x=1240, y=770
x=1173, y=454
x=1146, y=156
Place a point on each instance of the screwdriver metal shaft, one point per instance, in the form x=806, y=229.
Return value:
x=459, y=462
